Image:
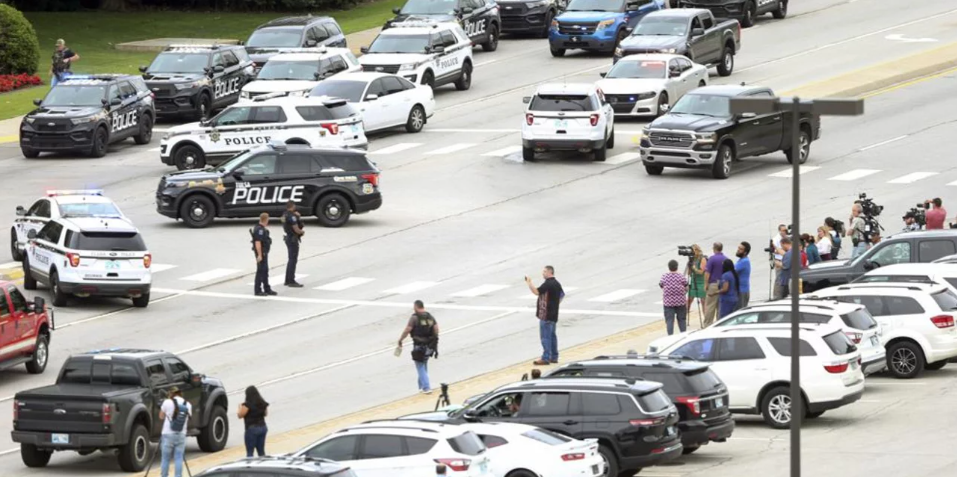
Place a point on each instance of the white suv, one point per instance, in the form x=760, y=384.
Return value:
x=557, y=455
x=754, y=361
x=56, y=204
x=295, y=74
x=89, y=257
x=568, y=117
x=404, y=448
x=426, y=53
x=917, y=320
x=937, y=273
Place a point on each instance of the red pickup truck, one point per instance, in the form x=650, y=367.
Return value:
x=24, y=330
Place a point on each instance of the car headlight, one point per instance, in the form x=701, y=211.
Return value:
x=642, y=96
x=29, y=120
x=192, y=84
x=537, y=4
x=554, y=24
x=408, y=67
x=88, y=119
x=604, y=24
x=705, y=137
x=165, y=138
x=244, y=95
x=669, y=50
x=619, y=51
x=176, y=185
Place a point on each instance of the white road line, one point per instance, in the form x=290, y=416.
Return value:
x=480, y=290
x=854, y=175
x=210, y=275
x=17, y=264
x=787, y=173
x=410, y=288
x=872, y=146
x=277, y=280
x=112, y=313
x=161, y=267
x=529, y=295
x=912, y=177
x=161, y=130
x=450, y=149
x=396, y=148
x=622, y=158
x=503, y=152
x=344, y=284
x=952, y=183
x=460, y=130
x=154, y=149
x=891, y=383
x=616, y=295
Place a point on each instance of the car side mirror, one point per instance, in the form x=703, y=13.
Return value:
x=143, y=69
x=602, y=74
x=470, y=416
x=39, y=304
x=372, y=97
x=466, y=10
x=218, y=69
x=21, y=211
x=527, y=99
x=363, y=49
x=869, y=265
x=396, y=10
x=697, y=32
x=238, y=173
x=116, y=102
x=32, y=234
x=37, y=102
x=196, y=378
x=674, y=73
x=310, y=43
x=438, y=49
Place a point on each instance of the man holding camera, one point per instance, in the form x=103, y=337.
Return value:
x=783, y=267
x=856, y=230
x=910, y=223
x=936, y=214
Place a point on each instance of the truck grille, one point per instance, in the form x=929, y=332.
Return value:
x=670, y=139
x=162, y=90
x=391, y=69
x=50, y=125
x=512, y=9
x=577, y=28
x=621, y=103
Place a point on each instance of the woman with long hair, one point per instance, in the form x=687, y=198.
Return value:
x=729, y=289
x=824, y=243
x=695, y=273
x=253, y=412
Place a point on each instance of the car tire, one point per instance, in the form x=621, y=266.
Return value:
x=33, y=456
x=188, y=156
x=689, y=450
x=611, y=139
x=29, y=282
x=59, y=298
x=333, y=210
x=29, y=153
x=204, y=109
x=782, y=10
x=726, y=66
x=776, y=407
x=813, y=415
x=416, y=120
x=663, y=105
x=548, y=24
x=465, y=81
x=100, y=141
x=557, y=52
x=621, y=35
x=142, y=301
x=135, y=455
x=491, y=44
x=41, y=355
x=601, y=153
x=654, y=170
x=611, y=460
x=935, y=366
x=721, y=169
x=905, y=360
x=146, y=130
x=804, y=140
x=428, y=79
x=197, y=211
x=213, y=437
x=14, y=251
x=528, y=154
x=750, y=12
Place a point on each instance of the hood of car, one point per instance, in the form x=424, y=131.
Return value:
x=827, y=268
x=373, y=59
x=278, y=86
x=172, y=77
x=190, y=176
x=628, y=85
x=437, y=17
x=575, y=17
x=688, y=122
x=54, y=112
x=652, y=42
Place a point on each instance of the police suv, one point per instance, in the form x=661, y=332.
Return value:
x=479, y=18
x=195, y=80
x=88, y=256
x=319, y=121
x=290, y=33
x=331, y=183
x=427, y=53
x=296, y=73
x=57, y=204
x=88, y=113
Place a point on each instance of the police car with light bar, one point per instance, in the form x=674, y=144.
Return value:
x=295, y=73
x=195, y=80
x=480, y=19
x=88, y=113
x=88, y=256
x=330, y=183
x=319, y=121
x=56, y=204
x=422, y=52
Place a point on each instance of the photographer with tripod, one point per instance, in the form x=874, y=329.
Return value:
x=695, y=273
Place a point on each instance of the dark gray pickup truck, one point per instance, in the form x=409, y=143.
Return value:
x=692, y=32
x=110, y=400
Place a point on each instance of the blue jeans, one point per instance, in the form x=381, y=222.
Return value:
x=422, y=368
x=671, y=312
x=546, y=330
x=64, y=75
x=175, y=445
x=859, y=250
x=726, y=307
x=256, y=439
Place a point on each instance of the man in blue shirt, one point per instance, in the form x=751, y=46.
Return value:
x=784, y=279
x=743, y=267
x=712, y=275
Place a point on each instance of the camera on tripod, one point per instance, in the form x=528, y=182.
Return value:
x=686, y=251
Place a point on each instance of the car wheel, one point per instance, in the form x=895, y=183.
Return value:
x=428, y=79
x=142, y=301
x=782, y=10
x=610, y=461
x=205, y=107
x=416, y=119
x=776, y=407
x=548, y=24
x=197, y=211
x=557, y=52
x=750, y=11
x=14, y=250
x=601, y=153
x=610, y=142
x=100, y=140
x=29, y=282
x=814, y=415
x=465, y=81
x=722, y=164
x=804, y=148
x=663, y=104
x=213, y=437
x=726, y=67
x=905, y=360
x=146, y=130
x=189, y=157
x=528, y=154
x=59, y=298
x=491, y=44
x=333, y=210
x=41, y=353
x=654, y=170
x=935, y=366
x=134, y=456
x=29, y=153
x=33, y=456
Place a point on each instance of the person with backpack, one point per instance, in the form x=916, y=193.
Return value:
x=175, y=413
x=425, y=342
x=253, y=412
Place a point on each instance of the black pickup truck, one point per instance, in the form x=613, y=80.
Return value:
x=745, y=11
x=106, y=400
x=700, y=132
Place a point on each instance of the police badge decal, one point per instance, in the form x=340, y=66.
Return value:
x=214, y=136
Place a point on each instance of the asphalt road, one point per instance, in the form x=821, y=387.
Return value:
x=465, y=219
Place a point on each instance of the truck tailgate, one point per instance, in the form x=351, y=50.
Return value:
x=68, y=408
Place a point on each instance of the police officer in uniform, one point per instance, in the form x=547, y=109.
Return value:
x=261, y=245
x=292, y=226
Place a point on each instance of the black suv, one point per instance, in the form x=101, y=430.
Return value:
x=923, y=246
x=331, y=183
x=280, y=466
x=290, y=33
x=479, y=18
x=88, y=113
x=696, y=391
x=528, y=16
x=195, y=80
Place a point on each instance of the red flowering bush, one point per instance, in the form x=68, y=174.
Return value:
x=12, y=82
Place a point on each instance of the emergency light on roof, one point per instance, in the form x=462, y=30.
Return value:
x=416, y=24
x=266, y=96
x=56, y=193
x=318, y=49
x=277, y=145
x=194, y=45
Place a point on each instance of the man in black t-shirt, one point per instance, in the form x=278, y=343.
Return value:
x=550, y=295
x=292, y=226
x=62, y=58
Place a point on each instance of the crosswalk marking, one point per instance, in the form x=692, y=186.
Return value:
x=480, y=290
x=952, y=183
x=912, y=177
x=528, y=295
x=449, y=149
x=617, y=295
x=396, y=148
x=788, y=173
x=854, y=175
x=10, y=265
x=503, y=152
x=623, y=157
x=344, y=284
x=410, y=288
x=210, y=275
x=158, y=267
x=280, y=279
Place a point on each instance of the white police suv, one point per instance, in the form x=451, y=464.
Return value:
x=318, y=122
x=296, y=73
x=56, y=204
x=88, y=256
x=422, y=52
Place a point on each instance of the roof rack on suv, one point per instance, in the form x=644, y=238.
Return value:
x=399, y=423
x=416, y=23
x=903, y=286
x=641, y=356
x=198, y=46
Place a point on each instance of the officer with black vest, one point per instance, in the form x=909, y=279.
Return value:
x=261, y=245
x=425, y=342
x=292, y=226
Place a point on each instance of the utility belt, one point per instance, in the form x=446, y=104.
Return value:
x=292, y=237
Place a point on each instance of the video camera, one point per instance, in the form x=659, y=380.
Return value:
x=686, y=251
x=868, y=207
x=919, y=213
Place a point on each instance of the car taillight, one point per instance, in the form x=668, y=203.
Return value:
x=529, y=118
x=575, y=456
x=147, y=260
x=457, y=465
x=943, y=321
x=693, y=403
x=74, y=259
x=594, y=119
x=333, y=128
x=836, y=368
x=107, y=414
x=647, y=422
x=855, y=337
x=372, y=178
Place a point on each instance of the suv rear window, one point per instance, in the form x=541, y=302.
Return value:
x=946, y=299
x=108, y=242
x=703, y=380
x=783, y=347
x=347, y=163
x=654, y=401
x=468, y=444
x=546, y=437
x=839, y=343
x=859, y=319
x=85, y=371
x=324, y=113
x=564, y=102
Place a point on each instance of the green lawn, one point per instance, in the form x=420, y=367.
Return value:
x=93, y=34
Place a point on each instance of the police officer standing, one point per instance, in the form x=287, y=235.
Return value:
x=292, y=226
x=261, y=245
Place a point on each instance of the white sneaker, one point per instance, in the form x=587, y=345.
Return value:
x=426, y=391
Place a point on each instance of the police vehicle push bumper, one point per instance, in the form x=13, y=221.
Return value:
x=681, y=150
x=176, y=99
x=525, y=17
x=124, y=289
x=592, y=33
x=59, y=134
x=541, y=145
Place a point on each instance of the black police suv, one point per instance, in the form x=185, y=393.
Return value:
x=330, y=183
x=88, y=113
x=195, y=80
x=696, y=391
x=528, y=16
x=289, y=33
x=479, y=18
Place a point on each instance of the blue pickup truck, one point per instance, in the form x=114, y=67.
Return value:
x=597, y=25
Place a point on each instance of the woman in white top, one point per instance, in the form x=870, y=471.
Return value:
x=824, y=243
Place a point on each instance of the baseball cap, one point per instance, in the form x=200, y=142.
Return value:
x=60, y=42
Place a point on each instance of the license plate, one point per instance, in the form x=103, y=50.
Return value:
x=483, y=467
x=719, y=402
x=366, y=188
x=561, y=123
x=112, y=265
x=355, y=128
x=575, y=38
x=59, y=438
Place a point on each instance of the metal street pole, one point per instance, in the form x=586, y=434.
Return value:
x=797, y=403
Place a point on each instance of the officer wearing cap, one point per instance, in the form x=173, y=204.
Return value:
x=910, y=222
x=292, y=226
x=63, y=57
x=261, y=244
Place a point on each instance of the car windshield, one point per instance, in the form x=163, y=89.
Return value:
x=275, y=38
x=69, y=95
x=235, y=161
x=638, y=70
x=179, y=63
x=703, y=105
x=86, y=209
x=661, y=26
x=563, y=102
x=596, y=6
x=946, y=299
x=399, y=44
x=350, y=91
x=429, y=7
x=289, y=70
